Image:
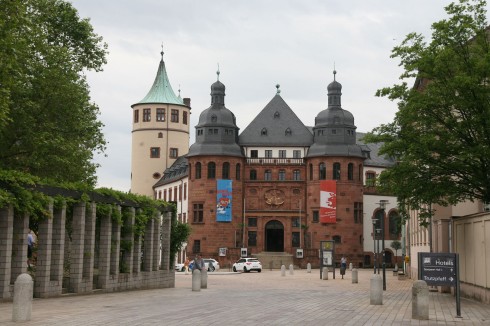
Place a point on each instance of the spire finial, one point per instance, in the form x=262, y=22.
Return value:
x=162, y=51
x=334, y=71
x=278, y=90
x=179, y=90
x=217, y=72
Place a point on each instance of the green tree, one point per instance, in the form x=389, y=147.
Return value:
x=48, y=126
x=396, y=245
x=440, y=136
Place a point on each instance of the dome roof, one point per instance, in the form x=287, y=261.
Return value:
x=331, y=117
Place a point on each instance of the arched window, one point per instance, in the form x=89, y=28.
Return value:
x=311, y=171
x=238, y=171
x=277, y=115
x=350, y=171
x=160, y=135
x=226, y=171
x=198, y=170
x=288, y=132
x=322, y=171
x=264, y=132
x=211, y=170
x=336, y=171
x=268, y=175
x=253, y=174
x=282, y=175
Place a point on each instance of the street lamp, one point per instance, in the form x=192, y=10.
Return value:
x=375, y=220
x=382, y=206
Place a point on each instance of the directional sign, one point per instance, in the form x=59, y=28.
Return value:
x=438, y=268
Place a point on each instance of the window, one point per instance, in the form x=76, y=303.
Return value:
x=146, y=115
x=136, y=116
x=394, y=225
x=297, y=153
x=277, y=115
x=211, y=170
x=252, y=238
x=268, y=153
x=175, y=193
x=254, y=153
x=336, y=171
x=350, y=171
x=288, y=132
x=226, y=171
x=316, y=216
x=370, y=179
x=238, y=171
x=334, y=132
x=267, y=175
x=295, y=222
x=252, y=222
x=160, y=135
x=198, y=213
x=196, y=247
x=311, y=171
x=170, y=194
x=295, y=239
x=174, y=115
x=282, y=175
x=296, y=175
x=180, y=192
x=214, y=118
x=198, y=170
x=185, y=191
x=199, y=132
x=253, y=174
x=282, y=153
x=155, y=152
x=358, y=212
x=337, y=239
x=323, y=171
x=174, y=152
x=264, y=132
x=184, y=117
x=160, y=114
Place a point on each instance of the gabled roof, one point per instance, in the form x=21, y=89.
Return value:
x=178, y=170
x=161, y=91
x=374, y=159
x=276, y=125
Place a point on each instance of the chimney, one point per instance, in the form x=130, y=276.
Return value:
x=187, y=101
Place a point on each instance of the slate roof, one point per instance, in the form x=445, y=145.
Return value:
x=374, y=159
x=161, y=91
x=178, y=170
x=276, y=125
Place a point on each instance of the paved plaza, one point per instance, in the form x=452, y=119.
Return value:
x=265, y=298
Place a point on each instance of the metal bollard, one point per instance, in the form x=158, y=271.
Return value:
x=291, y=269
x=196, y=280
x=325, y=273
x=376, y=294
x=420, y=300
x=354, y=276
x=283, y=270
x=308, y=268
x=23, y=291
x=204, y=278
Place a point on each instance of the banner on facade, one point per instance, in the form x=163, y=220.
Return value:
x=223, y=200
x=328, y=201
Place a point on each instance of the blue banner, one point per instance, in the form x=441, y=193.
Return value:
x=223, y=200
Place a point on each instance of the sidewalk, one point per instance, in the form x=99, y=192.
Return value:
x=265, y=298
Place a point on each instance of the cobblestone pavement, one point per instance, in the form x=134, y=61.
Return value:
x=265, y=298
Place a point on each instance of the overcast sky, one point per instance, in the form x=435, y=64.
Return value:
x=258, y=44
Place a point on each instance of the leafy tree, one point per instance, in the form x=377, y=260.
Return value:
x=396, y=245
x=440, y=136
x=48, y=126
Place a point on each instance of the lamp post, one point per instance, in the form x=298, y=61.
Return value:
x=374, y=243
x=382, y=206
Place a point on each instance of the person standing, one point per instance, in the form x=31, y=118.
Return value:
x=186, y=266
x=30, y=247
x=343, y=266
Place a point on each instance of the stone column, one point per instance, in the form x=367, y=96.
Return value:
x=128, y=237
x=148, y=246
x=137, y=254
x=166, y=225
x=43, y=265
x=156, y=242
x=6, y=236
x=115, y=245
x=19, y=245
x=89, y=247
x=104, y=251
x=58, y=248
x=76, y=248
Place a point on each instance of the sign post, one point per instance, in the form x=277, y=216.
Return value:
x=327, y=254
x=441, y=269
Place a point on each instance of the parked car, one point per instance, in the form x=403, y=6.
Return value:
x=211, y=264
x=247, y=265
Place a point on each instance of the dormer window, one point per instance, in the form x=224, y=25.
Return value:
x=214, y=118
x=277, y=115
x=288, y=132
x=263, y=132
x=336, y=120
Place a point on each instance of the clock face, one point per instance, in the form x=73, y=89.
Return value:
x=274, y=197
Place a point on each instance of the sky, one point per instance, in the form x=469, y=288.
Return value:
x=257, y=44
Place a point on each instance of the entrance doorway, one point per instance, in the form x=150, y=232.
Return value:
x=274, y=236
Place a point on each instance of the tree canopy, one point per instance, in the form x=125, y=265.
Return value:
x=48, y=125
x=440, y=136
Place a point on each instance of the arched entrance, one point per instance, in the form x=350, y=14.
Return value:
x=274, y=236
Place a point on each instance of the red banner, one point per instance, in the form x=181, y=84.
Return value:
x=328, y=201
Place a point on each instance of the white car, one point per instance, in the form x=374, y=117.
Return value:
x=247, y=265
x=211, y=264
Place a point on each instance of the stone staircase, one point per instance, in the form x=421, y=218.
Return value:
x=274, y=260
